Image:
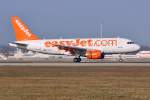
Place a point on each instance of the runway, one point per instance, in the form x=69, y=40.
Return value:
x=77, y=64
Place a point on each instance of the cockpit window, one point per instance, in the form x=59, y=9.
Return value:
x=130, y=42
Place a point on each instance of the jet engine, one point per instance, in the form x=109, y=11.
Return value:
x=94, y=54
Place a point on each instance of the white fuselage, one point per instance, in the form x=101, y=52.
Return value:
x=105, y=45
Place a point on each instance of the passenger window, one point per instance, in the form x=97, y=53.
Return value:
x=130, y=42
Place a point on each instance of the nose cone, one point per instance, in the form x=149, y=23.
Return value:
x=137, y=47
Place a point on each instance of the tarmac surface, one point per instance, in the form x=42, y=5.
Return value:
x=70, y=60
x=77, y=64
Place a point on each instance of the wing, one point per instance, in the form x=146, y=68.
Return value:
x=73, y=50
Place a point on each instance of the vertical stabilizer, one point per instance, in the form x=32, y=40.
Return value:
x=21, y=30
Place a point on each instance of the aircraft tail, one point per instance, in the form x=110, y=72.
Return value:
x=21, y=30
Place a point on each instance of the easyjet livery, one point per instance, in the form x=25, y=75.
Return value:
x=92, y=48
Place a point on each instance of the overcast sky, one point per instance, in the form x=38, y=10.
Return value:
x=78, y=18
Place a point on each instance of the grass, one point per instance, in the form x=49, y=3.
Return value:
x=74, y=83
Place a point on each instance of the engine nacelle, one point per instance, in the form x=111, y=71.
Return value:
x=94, y=54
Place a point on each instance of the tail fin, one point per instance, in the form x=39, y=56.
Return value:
x=21, y=30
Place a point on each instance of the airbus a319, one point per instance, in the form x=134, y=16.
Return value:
x=92, y=48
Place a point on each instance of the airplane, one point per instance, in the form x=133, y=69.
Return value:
x=91, y=48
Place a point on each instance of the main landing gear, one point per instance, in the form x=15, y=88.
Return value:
x=77, y=60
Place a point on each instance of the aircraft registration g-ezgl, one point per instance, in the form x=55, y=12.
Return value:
x=92, y=48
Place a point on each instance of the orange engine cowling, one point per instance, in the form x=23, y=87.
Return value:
x=94, y=54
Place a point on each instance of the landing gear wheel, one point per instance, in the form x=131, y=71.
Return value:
x=77, y=60
x=120, y=60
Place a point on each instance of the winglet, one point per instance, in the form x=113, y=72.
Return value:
x=21, y=30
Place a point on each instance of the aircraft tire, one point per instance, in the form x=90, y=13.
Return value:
x=77, y=60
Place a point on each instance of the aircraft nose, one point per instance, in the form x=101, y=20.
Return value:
x=137, y=47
